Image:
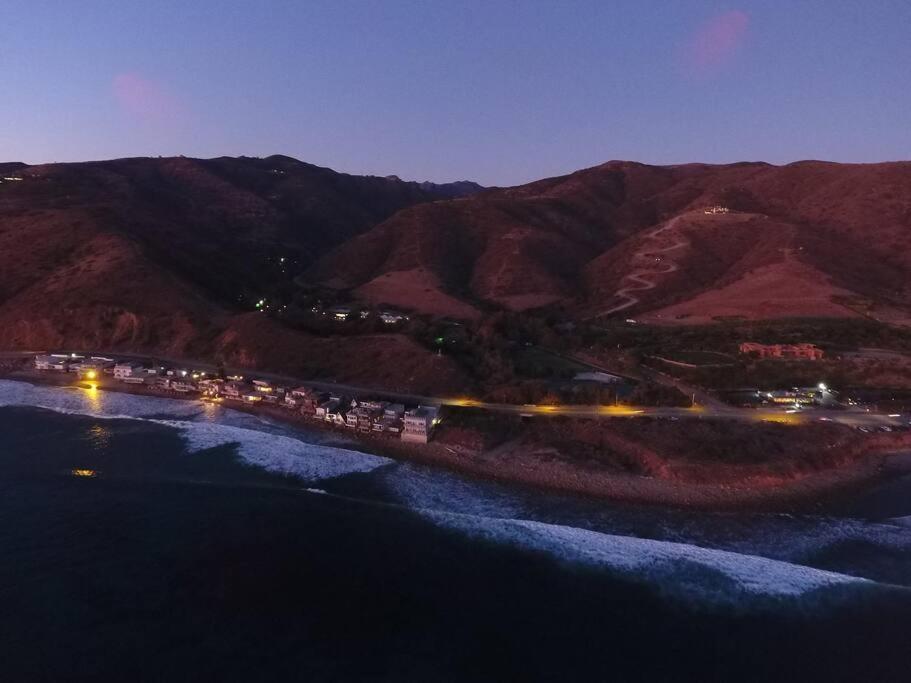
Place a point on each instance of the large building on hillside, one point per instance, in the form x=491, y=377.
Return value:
x=782, y=351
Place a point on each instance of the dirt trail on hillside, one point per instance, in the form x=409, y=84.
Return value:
x=653, y=265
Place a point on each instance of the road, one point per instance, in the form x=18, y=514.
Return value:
x=645, y=276
x=854, y=417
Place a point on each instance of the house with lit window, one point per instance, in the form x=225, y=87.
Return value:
x=262, y=386
x=124, y=370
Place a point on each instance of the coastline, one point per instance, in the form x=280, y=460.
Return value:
x=517, y=464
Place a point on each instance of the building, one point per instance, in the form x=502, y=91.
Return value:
x=92, y=368
x=792, y=396
x=124, y=370
x=210, y=387
x=717, y=208
x=328, y=409
x=178, y=372
x=419, y=423
x=305, y=400
x=339, y=313
x=262, y=386
x=392, y=317
x=394, y=410
x=295, y=397
x=363, y=415
x=782, y=351
x=55, y=361
x=235, y=391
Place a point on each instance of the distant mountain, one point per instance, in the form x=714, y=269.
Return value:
x=806, y=239
x=460, y=188
x=10, y=168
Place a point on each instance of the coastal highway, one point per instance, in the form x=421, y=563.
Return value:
x=852, y=417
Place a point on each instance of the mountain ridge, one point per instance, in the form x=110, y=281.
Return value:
x=172, y=255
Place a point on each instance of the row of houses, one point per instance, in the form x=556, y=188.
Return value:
x=363, y=415
x=415, y=424
x=94, y=367
x=91, y=366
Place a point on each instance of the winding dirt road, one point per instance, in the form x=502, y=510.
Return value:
x=645, y=276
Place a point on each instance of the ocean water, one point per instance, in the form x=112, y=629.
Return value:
x=152, y=539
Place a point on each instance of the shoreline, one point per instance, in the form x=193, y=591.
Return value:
x=519, y=467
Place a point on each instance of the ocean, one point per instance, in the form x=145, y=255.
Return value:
x=147, y=539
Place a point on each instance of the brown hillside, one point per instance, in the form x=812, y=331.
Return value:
x=165, y=255
x=816, y=234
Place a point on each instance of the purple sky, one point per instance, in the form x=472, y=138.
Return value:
x=498, y=92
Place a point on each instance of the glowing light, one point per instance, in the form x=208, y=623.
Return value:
x=93, y=396
x=91, y=374
x=783, y=418
x=84, y=473
x=823, y=387
x=620, y=411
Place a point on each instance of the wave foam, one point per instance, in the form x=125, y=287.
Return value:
x=685, y=570
x=265, y=449
x=279, y=454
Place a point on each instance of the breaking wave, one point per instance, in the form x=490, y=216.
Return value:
x=686, y=571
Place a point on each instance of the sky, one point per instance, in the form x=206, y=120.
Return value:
x=496, y=91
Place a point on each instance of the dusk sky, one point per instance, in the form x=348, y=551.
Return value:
x=493, y=91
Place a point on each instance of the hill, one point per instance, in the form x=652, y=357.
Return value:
x=806, y=239
x=166, y=255
x=172, y=255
